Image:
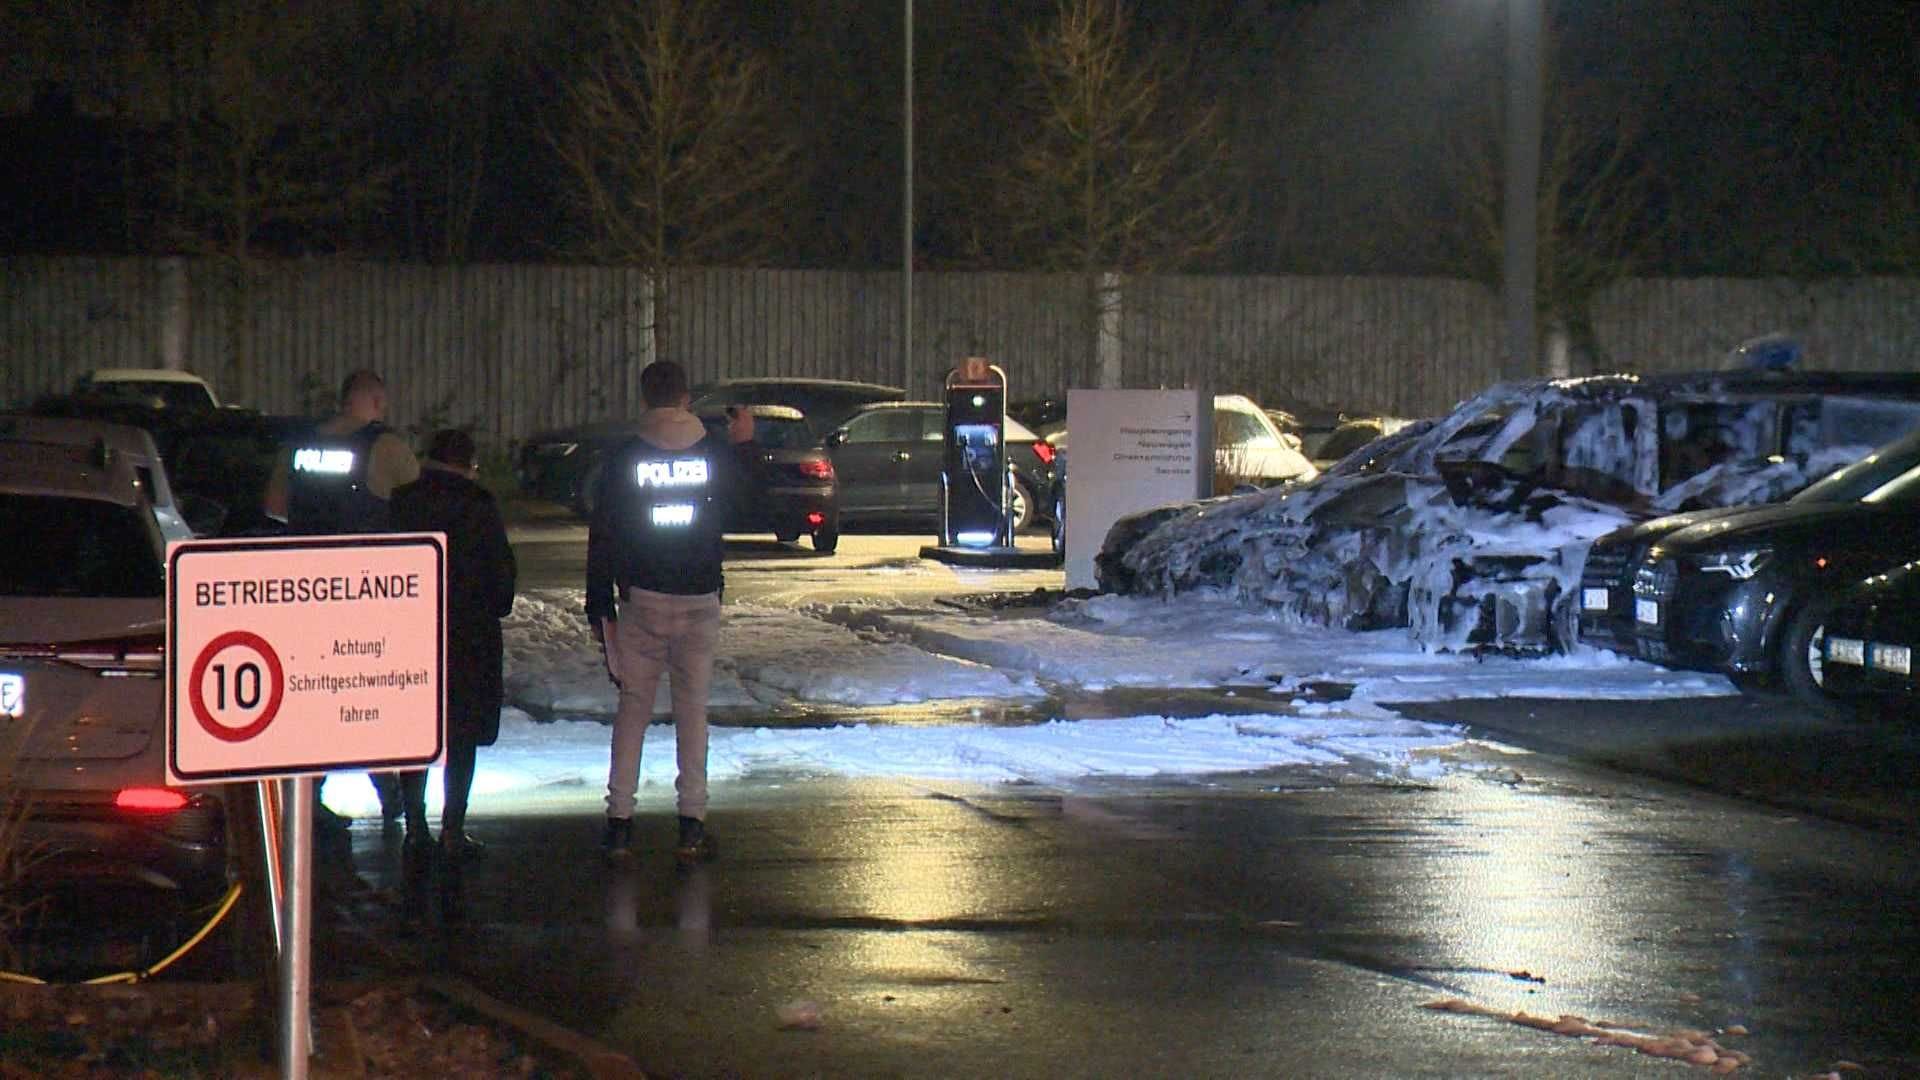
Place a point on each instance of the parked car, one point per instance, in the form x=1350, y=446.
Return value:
x=561, y=464
x=889, y=457
x=86, y=511
x=1871, y=634
x=1350, y=435
x=1746, y=590
x=1045, y=417
x=1248, y=449
x=793, y=490
x=1472, y=530
x=156, y=387
x=218, y=461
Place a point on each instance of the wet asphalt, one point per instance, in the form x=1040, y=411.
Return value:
x=1726, y=867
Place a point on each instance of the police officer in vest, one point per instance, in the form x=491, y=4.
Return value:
x=653, y=590
x=336, y=482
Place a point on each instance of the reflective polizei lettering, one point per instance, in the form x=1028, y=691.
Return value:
x=683, y=472
x=673, y=514
x=312, y=459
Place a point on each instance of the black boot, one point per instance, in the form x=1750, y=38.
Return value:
x=696, y=843
x=618, y=839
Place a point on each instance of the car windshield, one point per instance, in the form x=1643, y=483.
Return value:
x=164, y=394
x=61, y=546
x=1862, y=478
x=775, y=434
x=1902, y=490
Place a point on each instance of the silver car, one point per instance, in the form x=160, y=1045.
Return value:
x=86, y=513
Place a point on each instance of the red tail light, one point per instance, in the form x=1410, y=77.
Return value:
x=816, y=519
x=816, y=468
x=149, y=799
x=1043, y=450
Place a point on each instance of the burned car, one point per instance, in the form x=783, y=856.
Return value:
x=1472, y=529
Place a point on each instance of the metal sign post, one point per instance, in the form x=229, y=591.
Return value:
x=289, y=658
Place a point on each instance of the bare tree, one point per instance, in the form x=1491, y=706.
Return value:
x=1113, y=172
x=263, y=145
x=675, y=147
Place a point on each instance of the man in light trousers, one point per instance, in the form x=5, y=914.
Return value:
x=654, y=553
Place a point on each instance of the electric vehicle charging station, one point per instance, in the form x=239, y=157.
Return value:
x=976, y=486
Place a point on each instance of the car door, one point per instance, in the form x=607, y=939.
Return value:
x=923, y=462
x=871, y=457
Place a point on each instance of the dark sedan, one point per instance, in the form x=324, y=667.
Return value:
x=1870, y=638
x=562, y=464
x=889, y=456
x=1746, y=591
x=793, y=492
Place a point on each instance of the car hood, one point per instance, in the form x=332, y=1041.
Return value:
x=1647, y=532
x=1885, y=607
x=1778, y=523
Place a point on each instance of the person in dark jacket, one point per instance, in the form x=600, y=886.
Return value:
x=480, y=585
x=654, y=549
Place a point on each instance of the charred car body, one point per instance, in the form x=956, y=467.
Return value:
x=1746, y=590
x=1472, y=529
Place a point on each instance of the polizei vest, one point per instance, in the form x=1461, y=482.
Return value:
x=670, y=516
x=327, y=491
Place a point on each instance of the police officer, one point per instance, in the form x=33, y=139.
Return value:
x=653, y=591
x=336, y=481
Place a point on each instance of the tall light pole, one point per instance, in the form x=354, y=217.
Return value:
x=906, y=215
x=1521, y=270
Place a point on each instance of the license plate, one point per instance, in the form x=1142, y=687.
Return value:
x=1646, y=611
x=1842, y=650
x=1895, y=658
x=13, y=694
x=1593, y=599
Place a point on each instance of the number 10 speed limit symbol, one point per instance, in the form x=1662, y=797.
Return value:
x=236, y=686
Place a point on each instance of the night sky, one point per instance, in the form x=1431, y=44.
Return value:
x=1767, y=136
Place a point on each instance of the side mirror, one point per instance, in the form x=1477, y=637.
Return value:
x=836, y=437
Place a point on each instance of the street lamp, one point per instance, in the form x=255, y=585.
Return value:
x=906, y=238
x=1521, y=269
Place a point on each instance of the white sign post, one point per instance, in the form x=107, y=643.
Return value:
x=1130, y=450
x=288, y=658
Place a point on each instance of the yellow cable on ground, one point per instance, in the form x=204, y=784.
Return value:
x=226, y=905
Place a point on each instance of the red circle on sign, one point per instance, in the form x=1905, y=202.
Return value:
x=194, y=695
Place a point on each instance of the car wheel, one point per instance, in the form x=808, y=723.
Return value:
x=1022, y=509
x=826, y=540
x=1801, y=661
x=589, y=484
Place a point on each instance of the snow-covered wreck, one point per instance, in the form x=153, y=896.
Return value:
x=1472, y=529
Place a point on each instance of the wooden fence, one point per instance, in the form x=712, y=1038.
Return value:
x=511, y=349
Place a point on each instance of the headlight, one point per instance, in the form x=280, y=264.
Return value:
x=1738, y=565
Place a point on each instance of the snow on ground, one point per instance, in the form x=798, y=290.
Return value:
x=554, y=736
x=1111, y=641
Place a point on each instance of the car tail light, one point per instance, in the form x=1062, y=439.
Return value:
x=816, y=519
x=152, y=799
x=1044, y=451
x=816, y=468
x=139, y=656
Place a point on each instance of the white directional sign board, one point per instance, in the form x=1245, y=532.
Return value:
x=1130, y=450
x=291, y=657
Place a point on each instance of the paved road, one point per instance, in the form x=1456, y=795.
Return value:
x=1278, y=925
